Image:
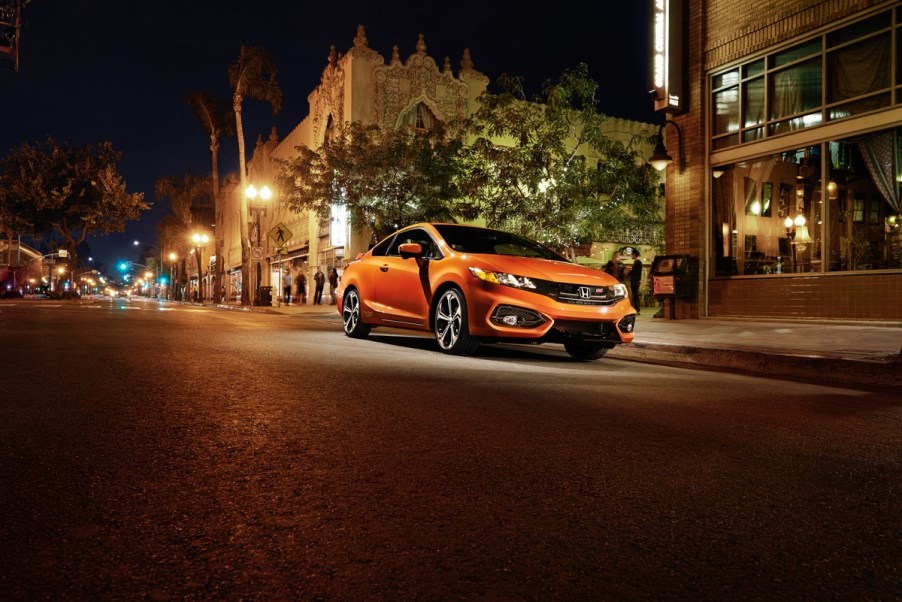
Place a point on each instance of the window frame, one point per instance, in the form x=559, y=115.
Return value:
x=767, y=66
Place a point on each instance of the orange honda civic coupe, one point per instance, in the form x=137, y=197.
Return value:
x=470, y=285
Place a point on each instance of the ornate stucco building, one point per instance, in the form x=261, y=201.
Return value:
x=358, y=86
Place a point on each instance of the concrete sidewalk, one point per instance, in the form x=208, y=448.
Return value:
x=862, y=353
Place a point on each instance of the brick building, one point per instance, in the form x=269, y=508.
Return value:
x=788, y=115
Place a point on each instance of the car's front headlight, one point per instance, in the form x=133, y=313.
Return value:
x=619, y=290
x=503, y=278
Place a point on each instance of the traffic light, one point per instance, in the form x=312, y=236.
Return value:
x=123, y=266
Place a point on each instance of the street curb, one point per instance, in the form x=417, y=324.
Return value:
x=875, y=373
x=773, y=365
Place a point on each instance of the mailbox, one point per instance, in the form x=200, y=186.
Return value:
x=671, y=276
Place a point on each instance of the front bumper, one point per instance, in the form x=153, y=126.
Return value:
x=538, y=317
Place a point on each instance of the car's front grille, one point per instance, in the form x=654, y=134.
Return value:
x=578, y=294
x=590, y=330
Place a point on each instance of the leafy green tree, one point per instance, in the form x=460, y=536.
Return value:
x=217, y=119
x=252, y=75
x=385, y=178
x=70, y=191
x=546, y=168
x=11, y=223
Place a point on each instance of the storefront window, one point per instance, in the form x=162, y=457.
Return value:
x=834, y=76
x=863, y=231
x=726, y=110
x=778, y=215
x=766, y=215
x=753, y=102
x=795, y=90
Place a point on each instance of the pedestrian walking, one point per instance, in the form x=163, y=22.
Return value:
x=636, y=280
x=301, y=282
x=320, y=280
x=333, y=284
x=286, y=286
x=613, y=268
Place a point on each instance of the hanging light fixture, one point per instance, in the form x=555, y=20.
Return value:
x=660, y=159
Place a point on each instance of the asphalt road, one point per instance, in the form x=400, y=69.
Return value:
x=152, y=452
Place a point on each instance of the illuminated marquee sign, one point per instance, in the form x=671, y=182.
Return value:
x=338, y=233
x=667, y=55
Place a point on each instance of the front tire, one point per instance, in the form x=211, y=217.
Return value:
x=452, y=332
x=581, y=350
x=350, y=316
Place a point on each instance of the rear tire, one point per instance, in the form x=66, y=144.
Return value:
x=450, y=325
x=350, y=316
x=582, y=350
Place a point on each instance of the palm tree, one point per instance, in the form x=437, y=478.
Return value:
x=173, y=236
x=253, y=75
x=215, y=116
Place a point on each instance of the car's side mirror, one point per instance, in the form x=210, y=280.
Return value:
x=410, y=249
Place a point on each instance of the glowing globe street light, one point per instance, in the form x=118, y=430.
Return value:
x=172, y=259
x=200, y=243
x=257, y=207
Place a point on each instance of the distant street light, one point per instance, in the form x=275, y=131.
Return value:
x=172, y=259
x=200, y=242
x=257, y=208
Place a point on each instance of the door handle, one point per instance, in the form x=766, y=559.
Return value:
x=383, y=268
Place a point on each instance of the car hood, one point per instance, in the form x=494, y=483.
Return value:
x=542, y=269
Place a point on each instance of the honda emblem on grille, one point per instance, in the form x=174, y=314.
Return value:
x=585, y=292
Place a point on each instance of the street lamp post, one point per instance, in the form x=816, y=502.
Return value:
x=200, y=242
x=257, y=208
x=172, y=259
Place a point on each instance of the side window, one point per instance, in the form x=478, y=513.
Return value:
x=382, y=248
x=415, y=236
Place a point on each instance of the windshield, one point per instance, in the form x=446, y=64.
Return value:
x=466, y=239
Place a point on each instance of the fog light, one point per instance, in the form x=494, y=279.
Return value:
x=508, y=315
x=627, y=323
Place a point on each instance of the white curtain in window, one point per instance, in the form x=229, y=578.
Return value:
x=787, y=94
x=420, y=117
x=425, y=118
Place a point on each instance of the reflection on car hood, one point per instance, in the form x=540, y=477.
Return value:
x=559, y=271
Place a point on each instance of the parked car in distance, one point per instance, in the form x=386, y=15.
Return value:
x=470, y=285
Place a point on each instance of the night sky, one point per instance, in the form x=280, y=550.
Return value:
x=94, y=70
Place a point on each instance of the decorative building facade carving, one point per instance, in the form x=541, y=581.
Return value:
x=400, y=86
x=329, y=101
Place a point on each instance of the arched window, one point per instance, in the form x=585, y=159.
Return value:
x=420, y=117
x=330, y=129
